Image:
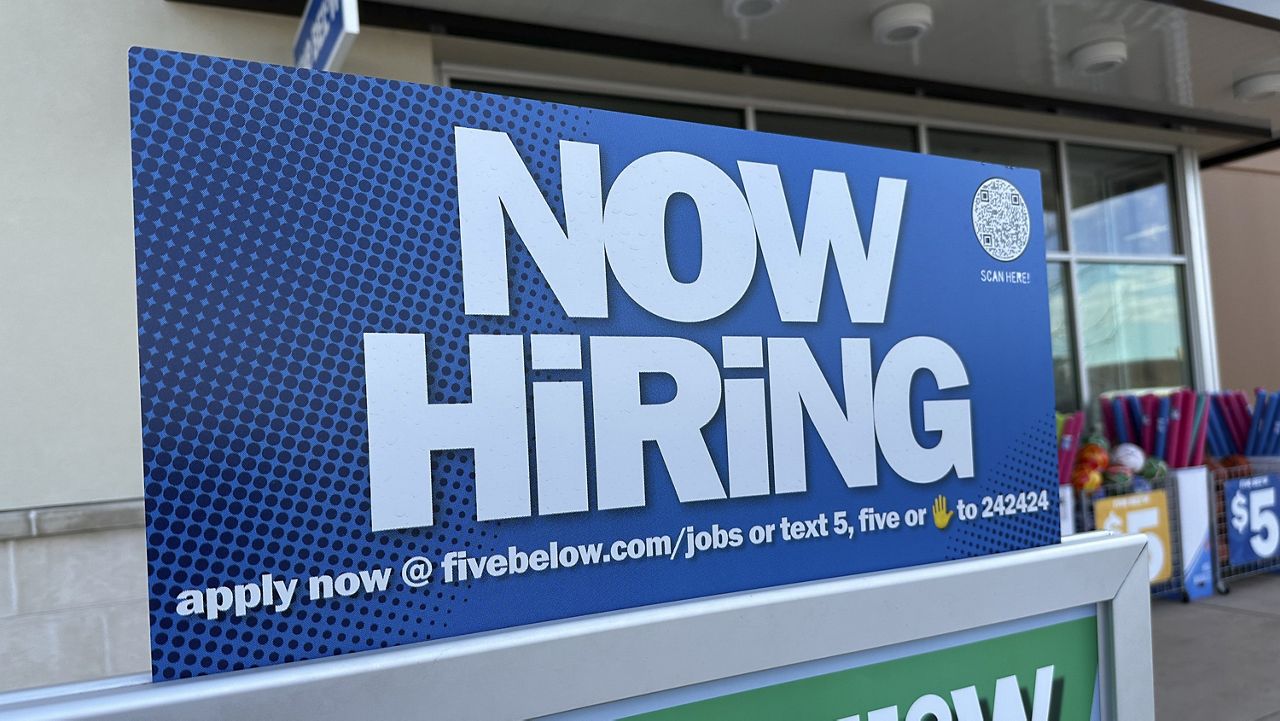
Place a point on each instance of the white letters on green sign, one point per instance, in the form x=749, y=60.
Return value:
x=1008, y=705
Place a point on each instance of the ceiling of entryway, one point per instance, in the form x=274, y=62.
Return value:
x=1184, y=56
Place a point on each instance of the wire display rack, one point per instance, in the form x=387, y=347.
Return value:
x=1247, y=523
x=1170, y=544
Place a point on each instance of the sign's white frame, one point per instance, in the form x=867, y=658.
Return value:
x=563, y=665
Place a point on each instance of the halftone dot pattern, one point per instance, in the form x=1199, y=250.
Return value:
x=281, y=214
x=1030, y=463
x=254, y=422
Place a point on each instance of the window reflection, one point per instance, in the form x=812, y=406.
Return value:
x=1064, y=362
x=1038, y=155
x=841, y=130
x=1121, y=202
x=1133, y=326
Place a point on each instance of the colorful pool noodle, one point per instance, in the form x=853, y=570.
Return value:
x=1069, y=445
x=1139, y=420
x=1178, y=431
x=1162, y=428
x=1218, y=428
x=1227, y=406
x=1176, y=421
x=1122, y=419
x=1271, y=429
x=1188, y=428
x=1201, y=431
x=1108, y=421
x=1255, y=420
x=1150, y=406
x=1245, y=416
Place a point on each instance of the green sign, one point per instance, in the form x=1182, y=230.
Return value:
x=1044, y=674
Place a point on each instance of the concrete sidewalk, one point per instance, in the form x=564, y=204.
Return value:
x=1219, y=659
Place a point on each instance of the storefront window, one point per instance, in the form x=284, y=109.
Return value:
x=1038, y=155
x=1121, y=202
x=706, y=114
x=1133, y=327
x=840, y=130
x=1114, y=325
x=1064, y=357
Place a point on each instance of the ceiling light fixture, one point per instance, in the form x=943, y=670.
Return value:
x=901, y=23
x=743, y=12
x=1257, y=87
x=1104, y=51
x=751, y=9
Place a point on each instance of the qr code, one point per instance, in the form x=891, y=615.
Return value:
x=1001, y=219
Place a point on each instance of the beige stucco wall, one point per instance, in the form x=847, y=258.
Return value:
x=73, y=596
x=1242, y=215
x=69, y=409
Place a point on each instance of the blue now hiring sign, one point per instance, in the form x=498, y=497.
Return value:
x=327, y=30
x=419, y=363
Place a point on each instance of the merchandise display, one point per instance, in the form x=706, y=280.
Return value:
x=1173, y=428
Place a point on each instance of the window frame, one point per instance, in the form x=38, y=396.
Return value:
x=1075, y=259
x=1191, y=256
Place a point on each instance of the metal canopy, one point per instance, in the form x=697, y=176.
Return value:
x=1184, y=56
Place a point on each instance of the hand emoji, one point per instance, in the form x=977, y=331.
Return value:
x=941, y=516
